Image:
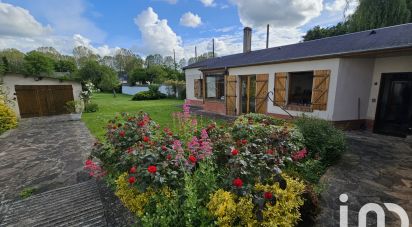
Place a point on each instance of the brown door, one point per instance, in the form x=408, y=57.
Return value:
x=231, y=95
x=247, y=94
x=261, y=93
x=43, y=100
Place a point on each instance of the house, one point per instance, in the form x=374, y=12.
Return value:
x=40, y=95
x=361, y=79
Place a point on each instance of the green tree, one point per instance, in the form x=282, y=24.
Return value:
x=50, y=52
x=83, y=54
x=370, y=14
x=36, y=63
x=2, y=69
x=156, y=74
x=108, y=80
x=90, y=71
x=65, y=65
x=137, y=75
x=14, y=60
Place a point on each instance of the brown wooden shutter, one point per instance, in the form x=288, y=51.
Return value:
x=261, y=93
x=280, y=89
x=231, y=95
x=320, y=89
x=197, y=88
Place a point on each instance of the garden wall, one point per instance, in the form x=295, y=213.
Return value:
x=132, y=90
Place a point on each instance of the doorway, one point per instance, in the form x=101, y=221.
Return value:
x=394, y=110
x=247, y=94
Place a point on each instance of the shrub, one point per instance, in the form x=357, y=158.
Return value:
x=322, y=139
x=152, y=94
x=75, y=106
x=8, y=119
x=91, y=107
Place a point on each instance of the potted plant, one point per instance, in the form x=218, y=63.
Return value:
x=75, y=109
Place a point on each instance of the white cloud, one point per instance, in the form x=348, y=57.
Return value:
x=103, y=50
x=156, y=35
x=280, y=13
x=208, y=3
x=342, y=6
x=190, y=20
x=169, y=1
x=17, y=21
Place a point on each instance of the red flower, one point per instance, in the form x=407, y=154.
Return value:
x=299, y=155
x=237, y=182
x=132, y=180
x=243, y=141
x=133, y=169
x=129, y=150
x=169, y=157
x=192, y=159
x=268, y=195
x=164, y=148
x=140, y=123
x=235, y=152
x=269, y=151
x=122, y=133
x=88, y=162
x=170, y=133
x=152, y=169
x=146, y=139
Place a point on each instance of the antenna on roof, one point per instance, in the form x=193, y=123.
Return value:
x=213, y=48
x=196, y=53
x=267, y=37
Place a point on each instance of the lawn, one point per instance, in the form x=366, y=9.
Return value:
x=159, y=110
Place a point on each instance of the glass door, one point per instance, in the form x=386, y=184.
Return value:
x=247, y=94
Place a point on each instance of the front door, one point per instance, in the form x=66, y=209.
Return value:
x=394, y=110
x=247, y=94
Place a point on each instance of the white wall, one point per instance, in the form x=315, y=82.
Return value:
x=330, y=64
x=354, y=83
x=10, y=81
x=132, y=90
x=192, y=75
x=385, y=65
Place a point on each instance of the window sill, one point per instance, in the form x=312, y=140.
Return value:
x=299, y=108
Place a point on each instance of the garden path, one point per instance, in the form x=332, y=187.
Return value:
x=375, y=169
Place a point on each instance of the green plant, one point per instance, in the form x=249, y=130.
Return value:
x=8, y=119
x=322, y=140
x=75, y=106
x=152, y=94
x=91, y=107
x=27, y=192
x=37, y=63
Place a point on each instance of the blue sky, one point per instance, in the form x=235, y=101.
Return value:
x=159, y=26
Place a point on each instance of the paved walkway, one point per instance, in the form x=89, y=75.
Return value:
x=42, y=153
x=375, y=169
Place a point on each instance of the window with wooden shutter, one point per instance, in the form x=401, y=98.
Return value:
x=261, y=93
x=231, y=95
x=320, y=89
x=280, y=89
x=198, y=84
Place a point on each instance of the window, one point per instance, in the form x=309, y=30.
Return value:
x=215, y=87
x=300, y=88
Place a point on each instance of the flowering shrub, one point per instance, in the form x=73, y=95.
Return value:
x=8, y=119
x=197, y=176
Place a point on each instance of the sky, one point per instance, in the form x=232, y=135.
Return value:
x=161, y=26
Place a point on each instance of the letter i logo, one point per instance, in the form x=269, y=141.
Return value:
x=343, y=211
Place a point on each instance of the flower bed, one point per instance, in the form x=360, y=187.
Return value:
x=209, y=176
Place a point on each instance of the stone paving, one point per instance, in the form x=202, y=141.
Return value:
x=375, y=169
x=42, y=153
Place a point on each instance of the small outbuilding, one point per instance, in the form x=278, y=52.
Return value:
x=36, y=96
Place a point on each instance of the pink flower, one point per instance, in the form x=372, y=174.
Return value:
x=299, y=155
x=89, y=162
x=164, y=148
x=133, y=169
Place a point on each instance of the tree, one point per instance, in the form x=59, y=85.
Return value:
x=2, y=69
x=36, y=63
x=83, y=54
x=14, y=60
x=50, y=52
x=155, y=59
x=137, y=75
x=90, y=71
x=370, y=14
x=156, y=73
x=68, y=65
x=182, y=63
x=108, y=61
x=109, y=80
x=169, y=62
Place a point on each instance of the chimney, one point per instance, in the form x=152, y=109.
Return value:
x=247, y=39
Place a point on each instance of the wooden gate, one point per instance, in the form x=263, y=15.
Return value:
x=231, y=95
x=320, y=89
x=261, y=93
x=43, y=100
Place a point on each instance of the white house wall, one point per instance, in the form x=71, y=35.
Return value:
x=9, y=82
x=354, y=83
x=329, y=64
x=385, y=65
x=192, y=75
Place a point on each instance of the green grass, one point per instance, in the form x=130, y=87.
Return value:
x=159, y=110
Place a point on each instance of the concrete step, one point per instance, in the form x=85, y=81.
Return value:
x=75, y=205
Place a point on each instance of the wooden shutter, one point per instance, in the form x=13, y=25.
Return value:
x=261, y=93
x=197, y=88
x=280, y=89
x=231, y=95
x=320, y=89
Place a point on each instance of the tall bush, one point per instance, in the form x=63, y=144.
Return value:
x=8, y=119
